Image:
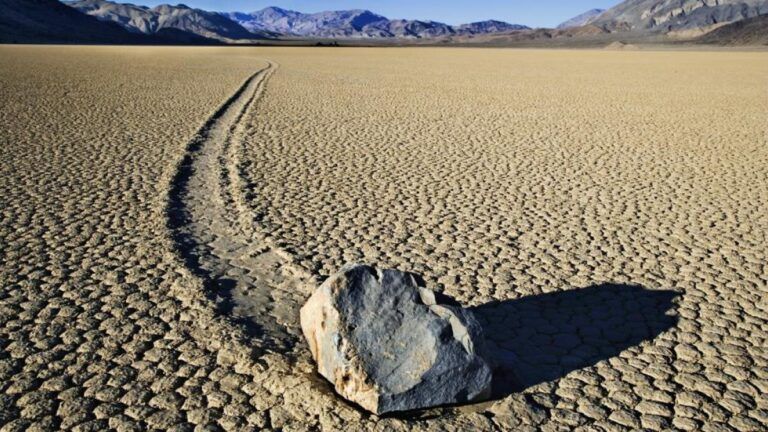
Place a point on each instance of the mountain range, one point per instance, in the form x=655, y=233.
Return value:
x=103, y=21
x=50, y=21
x=273, y=22
x=145, y=20
x=356, y=23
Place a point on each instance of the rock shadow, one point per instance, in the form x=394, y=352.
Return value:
x=543, y=337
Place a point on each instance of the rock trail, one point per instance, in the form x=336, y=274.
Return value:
x=213, y=231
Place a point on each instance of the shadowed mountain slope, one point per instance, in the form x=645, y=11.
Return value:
x=49, y=21
x=751, y=31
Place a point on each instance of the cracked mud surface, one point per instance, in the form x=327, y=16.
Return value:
x=163, y=212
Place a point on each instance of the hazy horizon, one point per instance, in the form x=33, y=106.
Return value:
x=547, y=13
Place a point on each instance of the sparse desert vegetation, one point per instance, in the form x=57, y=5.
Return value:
x=165, y=211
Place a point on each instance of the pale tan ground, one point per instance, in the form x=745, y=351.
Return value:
x=497, y=174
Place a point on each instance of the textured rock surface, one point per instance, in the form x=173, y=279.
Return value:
x=666, y=15
x=386, y=344
x=751, y=31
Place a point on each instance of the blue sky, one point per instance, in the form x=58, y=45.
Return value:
x=534, y=13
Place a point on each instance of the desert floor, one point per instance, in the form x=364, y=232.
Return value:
x=165, y=211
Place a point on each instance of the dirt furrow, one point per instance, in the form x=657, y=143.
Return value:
x=252, y=282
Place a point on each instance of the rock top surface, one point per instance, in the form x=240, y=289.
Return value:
x=386, y=343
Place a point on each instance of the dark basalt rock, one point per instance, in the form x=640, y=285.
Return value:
x=387, y=344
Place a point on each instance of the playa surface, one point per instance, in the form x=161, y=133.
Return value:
x=165, y=211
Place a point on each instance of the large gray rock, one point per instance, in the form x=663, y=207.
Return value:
x=386, y=344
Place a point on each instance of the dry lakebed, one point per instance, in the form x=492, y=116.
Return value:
x=166, y=212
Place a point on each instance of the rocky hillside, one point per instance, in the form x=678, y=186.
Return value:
x=582, y=19
x=355, y=24
x=751, y=31
x=44, y=21
x=678, y=15
x=141, y=19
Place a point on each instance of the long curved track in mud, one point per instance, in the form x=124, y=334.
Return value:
x=213, y=231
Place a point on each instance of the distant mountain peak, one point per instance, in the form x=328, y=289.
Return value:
x=275, y=9
x=581, y=19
